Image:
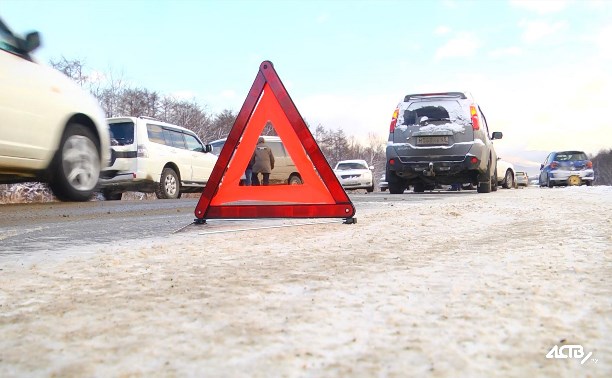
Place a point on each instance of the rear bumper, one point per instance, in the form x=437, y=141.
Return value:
x=562, y=176
x=456, y=169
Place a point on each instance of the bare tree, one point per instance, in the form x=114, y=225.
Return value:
x=602, y=165
x=138, y=102
x=221, y=125
x=74, y=69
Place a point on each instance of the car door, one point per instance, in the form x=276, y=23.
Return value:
x=202, y=163
x=177, y=152
x=25, y=103
x=543, y=173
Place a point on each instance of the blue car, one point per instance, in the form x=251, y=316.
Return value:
x=566, y=168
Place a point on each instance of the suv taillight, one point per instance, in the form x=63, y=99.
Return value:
x=394, y=120
x=554, y=165
x=475, y=120
x=589, y=164
x=142, y=151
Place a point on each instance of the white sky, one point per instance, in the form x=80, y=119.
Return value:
x=539, y=69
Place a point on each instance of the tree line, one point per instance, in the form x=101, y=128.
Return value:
x=118, y=98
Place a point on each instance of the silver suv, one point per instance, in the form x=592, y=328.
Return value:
x=440, y=138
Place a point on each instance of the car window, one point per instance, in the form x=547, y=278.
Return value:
x=174, y=138
x=8, y=42
x=122, y=133
x=352, y=165
x=278, y=150
x=156, y=134
x=570, y=156
x=193, y=144
x=484, y=122
x=217, y=147
x=415, y=113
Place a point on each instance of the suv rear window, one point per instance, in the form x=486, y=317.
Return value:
x=421, y=111
x=122, y=133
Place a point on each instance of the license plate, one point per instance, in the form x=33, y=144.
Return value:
x=574, y=180
x=431, y=140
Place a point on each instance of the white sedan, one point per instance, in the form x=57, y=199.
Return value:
x=50, y=130
x=355, y=174
x=505, y=174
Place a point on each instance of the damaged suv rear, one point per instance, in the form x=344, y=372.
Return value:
x=440, y=139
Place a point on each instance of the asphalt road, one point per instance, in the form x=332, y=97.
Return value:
x=32, y=230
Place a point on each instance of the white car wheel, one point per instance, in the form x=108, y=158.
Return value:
x=77, y=165
x=169, y=187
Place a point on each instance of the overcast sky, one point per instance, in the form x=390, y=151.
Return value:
x=539, y=69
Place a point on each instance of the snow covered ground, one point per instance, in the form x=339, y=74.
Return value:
x=476, y=285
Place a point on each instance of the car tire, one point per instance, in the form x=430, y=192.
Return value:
x=110, y=195
x=588, y=182
x=548, y=182
x=396, y=187
x=295, y=180
x=75, y=169
x=370, y=189
x=494, y=184
x=169, y=185
x=485, y=186
x=508, y=180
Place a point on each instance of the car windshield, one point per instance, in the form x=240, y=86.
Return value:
x=217, y=147
x=8, y=41
x=122, y=133
x=422, y=112
x=352, y=165
x=571, y=156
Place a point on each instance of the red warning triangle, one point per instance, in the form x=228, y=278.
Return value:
x=320, y=196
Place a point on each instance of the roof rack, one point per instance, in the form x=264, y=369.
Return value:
x=149, y=118
x=461, y=95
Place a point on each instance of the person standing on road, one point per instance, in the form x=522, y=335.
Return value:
x=264, y=162
x=248, y=172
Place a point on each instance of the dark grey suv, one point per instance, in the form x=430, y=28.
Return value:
x=440, y=138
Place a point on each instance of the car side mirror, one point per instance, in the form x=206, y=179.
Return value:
x=371, y=167
x=208, y=148
x=541, y=166
x=497, y=135
x=32, y=41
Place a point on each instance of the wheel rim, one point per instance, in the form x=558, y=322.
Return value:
x=170, y=185
x=80, y=163
x=509, y=181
